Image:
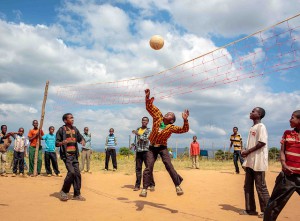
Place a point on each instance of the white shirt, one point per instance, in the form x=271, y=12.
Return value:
x=20, y=143
x=257, y=160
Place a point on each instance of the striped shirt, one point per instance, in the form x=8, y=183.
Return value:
x=291, y=142
x=71, y=138
x=236, y=140
x=160, y=137
x=141, y=141
x=111, y=141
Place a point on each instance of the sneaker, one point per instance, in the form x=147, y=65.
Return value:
x=105, y=169
x=152, y=188
x=89, y=171
x=4, y=174
x=14, y=175
x=79, y=198
x=49, y=175
x=59, y=175
x=143, y=193
x=179, y=191
x=136, y=188
x=23, y=175
x=114, y=169
x=63, y=196
x=249, y=213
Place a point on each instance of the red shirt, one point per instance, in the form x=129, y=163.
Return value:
x=32, y=133
x=291, y=142
x=195, y=148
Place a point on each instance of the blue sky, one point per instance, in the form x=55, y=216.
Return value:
x=90, y=41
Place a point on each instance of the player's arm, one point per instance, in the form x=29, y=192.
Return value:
x=150, y=107
x=259, y=145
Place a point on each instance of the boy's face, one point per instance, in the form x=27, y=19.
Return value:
x=51, y=130
x=234, y=130
x=35, y=124
x=194, y=138
x=169, y=118
x=86, y=130
x=69, y=120
x=255, y=114
x=111, y=131
x=294, y=121
x=21, y=131
x=145, y=122
x=4, y=129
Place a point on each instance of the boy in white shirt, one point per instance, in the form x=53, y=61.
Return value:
x=256, y=163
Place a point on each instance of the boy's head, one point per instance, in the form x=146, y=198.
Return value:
x=111, y=131
x=257, y=113
x=194, y=138
x=68, y=119
x=295, y=119
x=235, y=130
x=21, y=131
x=35, y=124
x=145, y=121
x=169, y=118
x=3, y=129
x=86, y=130
x=51, y=129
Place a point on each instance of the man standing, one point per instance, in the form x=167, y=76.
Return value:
x=5, y=142
x=110, y=150
x=237, y=143
x=256, y=163
x=86, y=151
x=141, y=143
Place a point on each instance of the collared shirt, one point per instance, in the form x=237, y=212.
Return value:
x=49, y=142
x=88, y=141
x=291, y=142
x=257, y=160
x=236, y=140
x=20, y=143
x=158, y=136
x=141, y=141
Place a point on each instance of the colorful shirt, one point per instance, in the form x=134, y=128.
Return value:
x=50, y=142
x=20, y=143
x=195, y=149
x=32, y=133
x=291, y=142
x=88, y=141
x=71, y=138
x=257, y=160
x=111, y=141
x=236, y=140
x=141, y=141
x=158, y=135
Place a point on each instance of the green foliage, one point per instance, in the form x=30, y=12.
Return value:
x=125, y=151
x=274, y=153
x=221, y=155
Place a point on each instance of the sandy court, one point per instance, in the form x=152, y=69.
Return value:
x=209, y=195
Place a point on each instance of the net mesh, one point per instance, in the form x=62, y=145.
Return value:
x=272, y=50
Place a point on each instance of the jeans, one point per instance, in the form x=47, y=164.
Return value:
x=18, y=162
x=73, y=176
x=51, y=156
x=139, y=159
x=110, y=152
x=236, y=156
x=284, y=188
x=166, y=159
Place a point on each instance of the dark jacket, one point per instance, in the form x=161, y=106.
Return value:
x=61, y=136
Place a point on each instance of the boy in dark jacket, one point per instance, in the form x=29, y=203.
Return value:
x=67, y=138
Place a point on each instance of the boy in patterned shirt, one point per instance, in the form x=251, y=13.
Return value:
x=288, y=181
x=162, y=129
x=67, y=138
x=237, y=143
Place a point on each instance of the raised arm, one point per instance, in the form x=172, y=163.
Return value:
x=150, y=107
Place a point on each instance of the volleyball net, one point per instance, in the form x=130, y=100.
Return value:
x=275, y=49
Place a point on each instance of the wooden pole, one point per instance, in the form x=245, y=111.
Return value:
x=38, y=143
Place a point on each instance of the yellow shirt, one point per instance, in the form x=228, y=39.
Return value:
x=236, y=141
x=141, y=131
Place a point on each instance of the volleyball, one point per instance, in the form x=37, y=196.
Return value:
x=156, y=42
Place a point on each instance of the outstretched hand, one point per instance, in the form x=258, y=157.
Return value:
x=185, y=114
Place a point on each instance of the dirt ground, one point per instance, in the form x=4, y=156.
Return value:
x=208, y=195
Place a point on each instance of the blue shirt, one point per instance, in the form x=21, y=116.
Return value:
x=50, y=142
x=88, y=140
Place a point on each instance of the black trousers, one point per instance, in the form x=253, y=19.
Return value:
x=151, y=158
x=140, y=158
x=284, y=188
x=18, y=162
x=237, y=156
x=261, y=187
x=111, y=152
x=73, y=176
x=50, y=158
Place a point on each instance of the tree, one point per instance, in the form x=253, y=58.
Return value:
x=125, y=151
x=274, y=153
